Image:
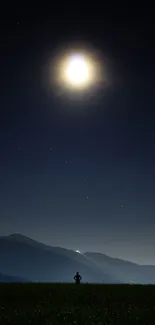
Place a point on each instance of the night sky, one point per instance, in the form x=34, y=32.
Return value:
x=78, y=171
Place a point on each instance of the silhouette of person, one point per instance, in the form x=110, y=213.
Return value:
x=77, y=278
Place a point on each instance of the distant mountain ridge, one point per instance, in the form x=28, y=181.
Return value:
x=5, y=278
x=23, y=257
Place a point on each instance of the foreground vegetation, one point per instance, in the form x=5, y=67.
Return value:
x=70, y=304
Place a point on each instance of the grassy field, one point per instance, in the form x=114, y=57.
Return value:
x=70, y=304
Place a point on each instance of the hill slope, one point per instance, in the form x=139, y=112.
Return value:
x=38, y=262
x=10, y=279
x=127, y=272
x=20, y=255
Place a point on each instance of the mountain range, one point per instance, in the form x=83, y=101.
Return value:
x=24, y=258
x=10, y=279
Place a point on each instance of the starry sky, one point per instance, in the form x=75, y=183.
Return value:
x=79, y=171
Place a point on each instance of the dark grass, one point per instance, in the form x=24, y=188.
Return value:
x=72, y=304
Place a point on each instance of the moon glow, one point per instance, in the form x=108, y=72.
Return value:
x=77, y=71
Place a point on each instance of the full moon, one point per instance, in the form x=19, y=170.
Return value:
x=77, y=71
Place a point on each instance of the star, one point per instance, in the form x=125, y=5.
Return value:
x=50, y=149
x=66, y=161
x=87, y=197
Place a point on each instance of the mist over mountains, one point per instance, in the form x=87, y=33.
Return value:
x=24, y=259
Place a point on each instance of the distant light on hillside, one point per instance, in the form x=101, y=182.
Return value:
x=77, y=251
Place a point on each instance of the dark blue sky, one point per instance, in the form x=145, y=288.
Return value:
x=79, y=172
